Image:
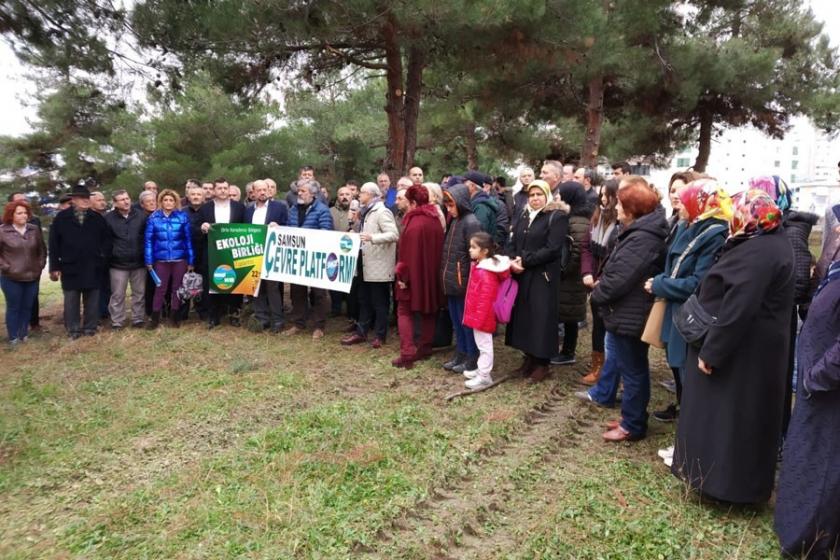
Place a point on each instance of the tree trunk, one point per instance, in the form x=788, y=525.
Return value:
x=471, y=147
x=414, y=87
x=594, y=123
x=394, y=106
x=705, y=147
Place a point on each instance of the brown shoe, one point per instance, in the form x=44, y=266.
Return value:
x=293, y=330
x=594, y=374
x=376, y=344
x=524, y=370
x=539, y=373
x=352, y=339
x=317, y=334
x=619, y=434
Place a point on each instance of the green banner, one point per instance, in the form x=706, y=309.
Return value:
x=235, y=258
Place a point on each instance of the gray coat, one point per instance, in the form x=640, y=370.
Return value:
x=379, y=255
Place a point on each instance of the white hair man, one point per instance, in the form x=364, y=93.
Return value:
x=379, y=235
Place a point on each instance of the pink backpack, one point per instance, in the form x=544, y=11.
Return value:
x=505, y=299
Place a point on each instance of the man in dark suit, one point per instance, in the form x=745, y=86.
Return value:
x=220, y=210
x=79, y=249
x=268, y=306
x=192, y=206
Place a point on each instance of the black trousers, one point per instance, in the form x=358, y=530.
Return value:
x=570, y=338
x=74, y=321
x=150, y=294
x=222, y=305
x=35, y=320
x=374, y=305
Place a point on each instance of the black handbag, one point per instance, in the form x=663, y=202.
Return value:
x=693, y=321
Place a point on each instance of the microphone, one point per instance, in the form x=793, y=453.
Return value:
x=354, y=205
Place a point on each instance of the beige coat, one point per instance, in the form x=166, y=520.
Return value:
x=380, y=254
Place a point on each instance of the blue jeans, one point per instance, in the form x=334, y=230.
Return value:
x=627, y=360
x=464, y=339
x=20, y=297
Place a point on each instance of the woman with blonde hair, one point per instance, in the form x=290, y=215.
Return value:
x=168, y=252
x=436, y=199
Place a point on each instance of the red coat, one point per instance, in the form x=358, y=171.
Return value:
x=418, y=265
x=485, y=278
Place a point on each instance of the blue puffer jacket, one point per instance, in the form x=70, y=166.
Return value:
x=317, y=217
x=168, y=238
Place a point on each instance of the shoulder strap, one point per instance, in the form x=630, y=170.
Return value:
x=692, y=243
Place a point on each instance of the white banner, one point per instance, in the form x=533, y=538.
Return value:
x=311, y=257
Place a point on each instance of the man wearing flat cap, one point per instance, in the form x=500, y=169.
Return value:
x=79, y=250
x=482, y=205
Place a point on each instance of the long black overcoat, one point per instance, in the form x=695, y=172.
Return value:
x=79, y=251
x=730, y=421
x=533, y=323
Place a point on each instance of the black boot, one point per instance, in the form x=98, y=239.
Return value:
x=155, y=321
x=175, y=320
x=456, y=359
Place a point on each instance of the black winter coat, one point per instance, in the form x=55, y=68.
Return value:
x=79, y=252
x=126, y=238
x=730, y=421
x=798, y=229
x=533, y=323
x=196, y=236
x=571, y=291
x=620, y=295
x=455, y=262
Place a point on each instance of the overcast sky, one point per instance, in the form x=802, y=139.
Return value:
x=16, y=92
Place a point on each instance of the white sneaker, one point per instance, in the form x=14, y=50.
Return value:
x=478, y=382
x=668, y=462
x=470, y=374
x=666, y=454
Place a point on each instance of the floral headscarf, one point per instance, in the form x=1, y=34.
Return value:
x=775, y=188
x=705, y=198
x=755, y=214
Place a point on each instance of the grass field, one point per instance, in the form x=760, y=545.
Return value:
x=229, y=444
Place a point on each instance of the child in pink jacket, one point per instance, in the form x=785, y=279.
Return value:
x=487, y=271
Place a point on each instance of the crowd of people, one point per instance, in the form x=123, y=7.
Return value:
x=723, y=284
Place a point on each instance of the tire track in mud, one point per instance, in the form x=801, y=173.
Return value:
x=475, y=515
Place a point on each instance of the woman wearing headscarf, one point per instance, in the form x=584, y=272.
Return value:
x=705, y=209
x=807, y=512
x=535, y=248
x=595, y=251
x=797, y=226
x=571, y=291
x=734, y=379
x=624, y=304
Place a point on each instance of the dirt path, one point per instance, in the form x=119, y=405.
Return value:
x=484, y=513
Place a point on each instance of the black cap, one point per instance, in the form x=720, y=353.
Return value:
x=476, y=177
